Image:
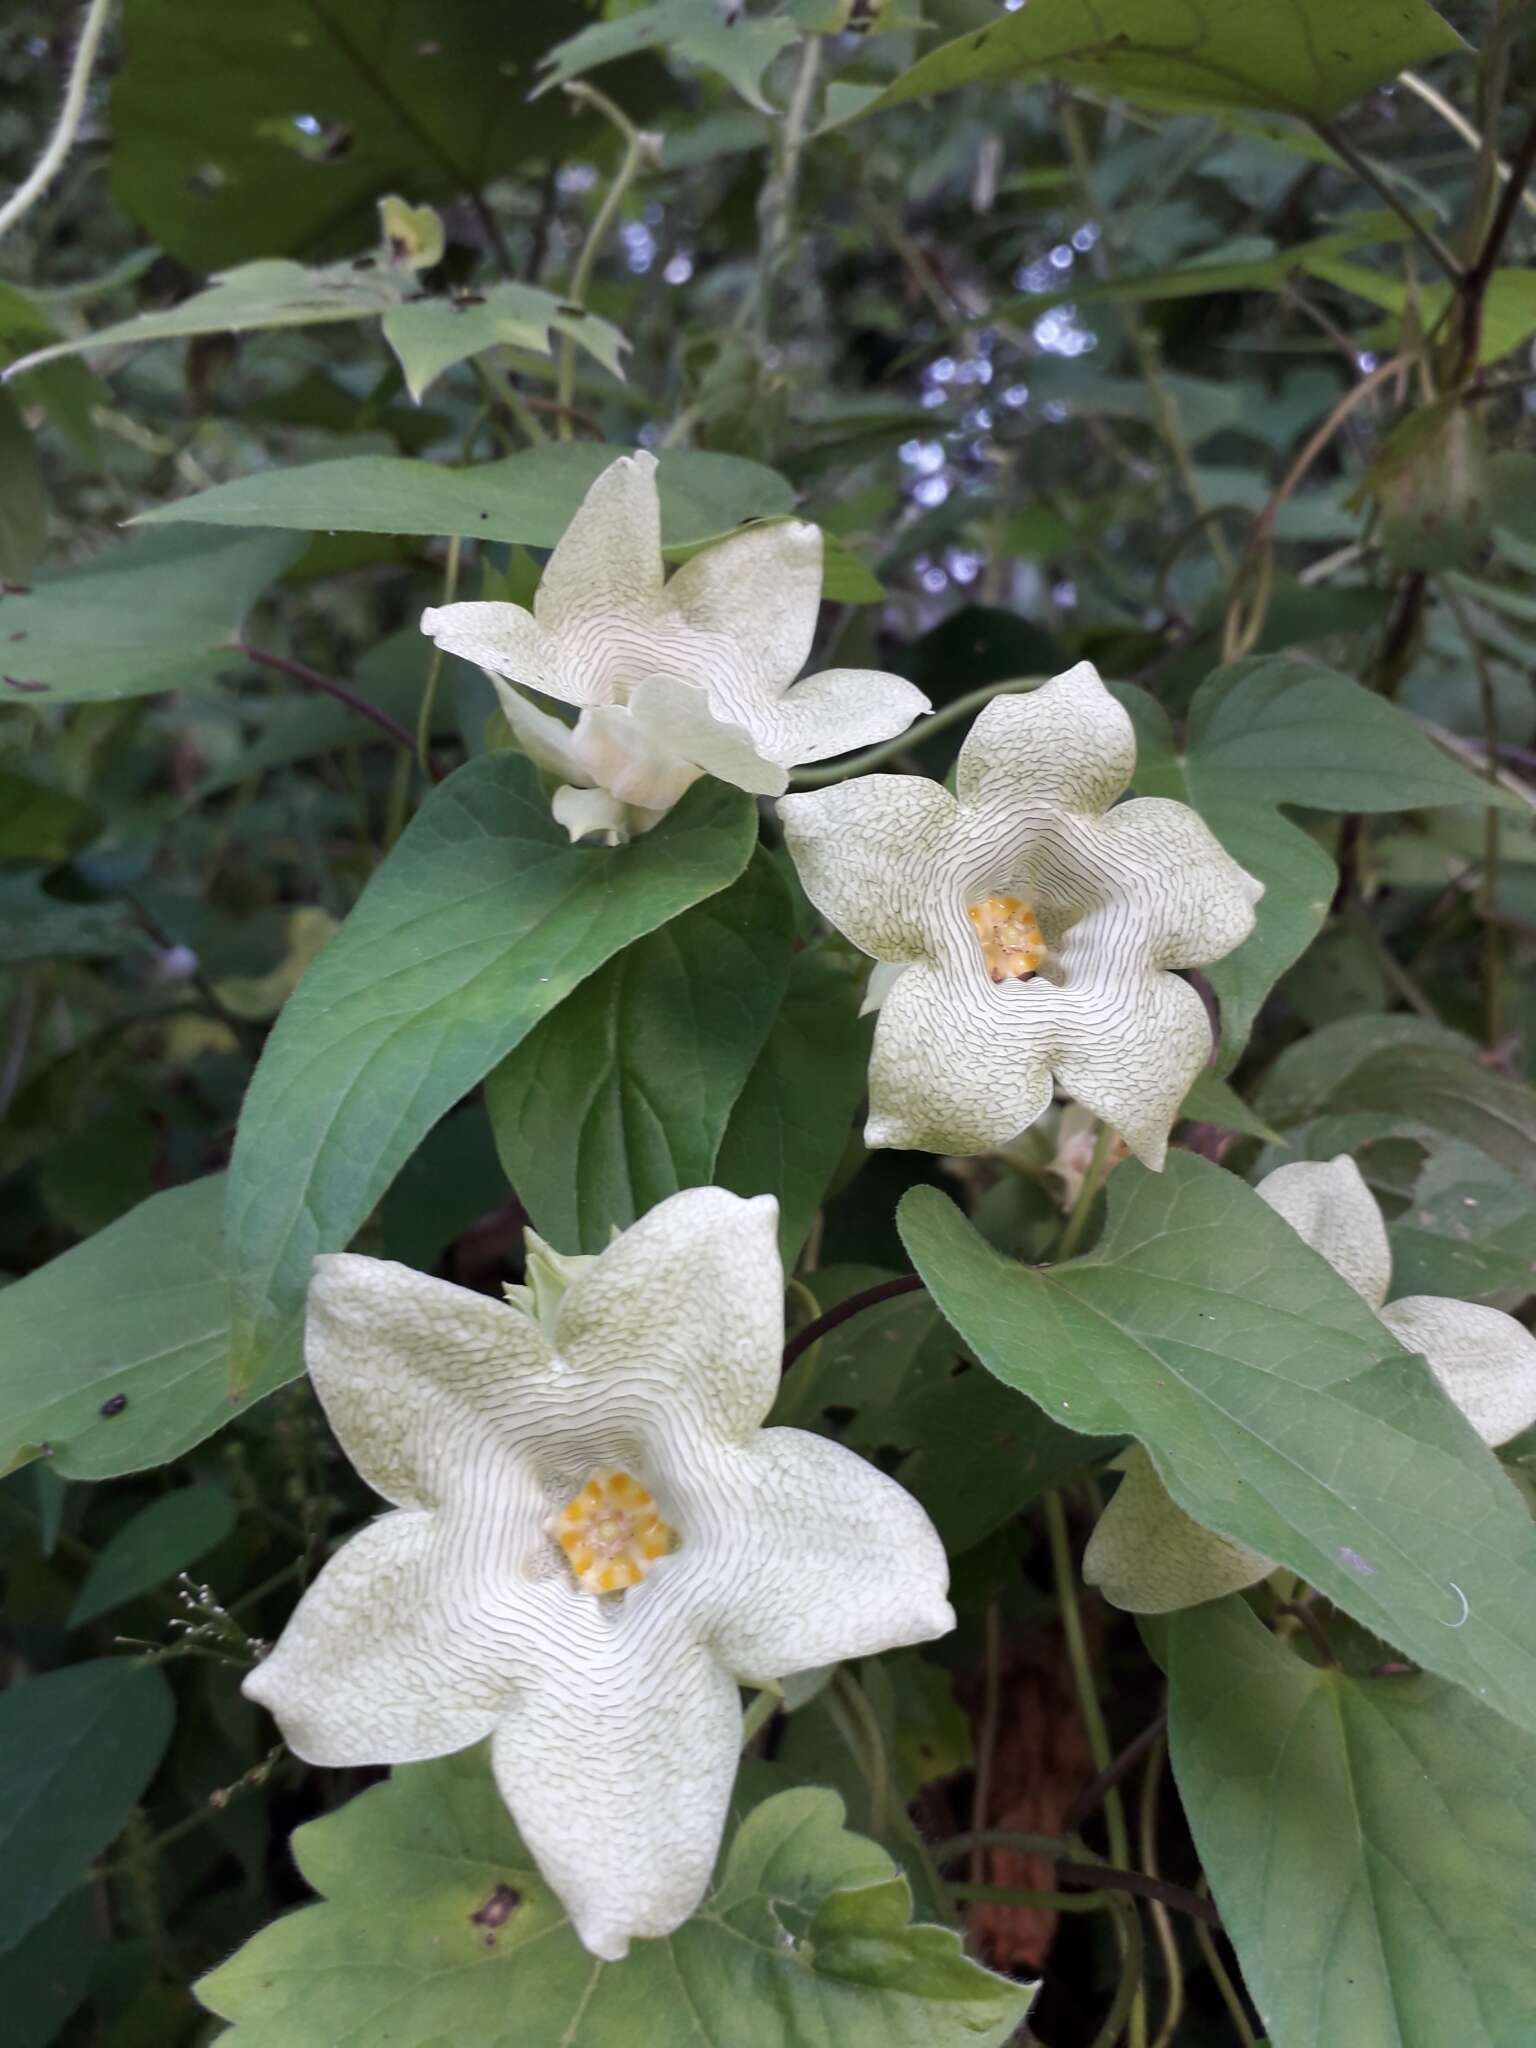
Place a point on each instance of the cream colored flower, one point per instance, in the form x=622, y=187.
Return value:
x=1149, y=1556
x=593, y=1541
x=1032, y=927
x=671, y=679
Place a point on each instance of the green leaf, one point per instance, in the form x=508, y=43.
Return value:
x=482, y=919
x=621, y=1095
x=38, y=823
x=23, y=512
x=138, y=1314
x=436, y=1927
x=428, y=335
x=1470, y=1230
x=1431, y=1088
x=892, y=1382
x=1272, y=1403
x=37, y=926
x=159, y=1540
x=47, y=1973
x=1307, y=1073
x=529, y=497
x=792, y=1119
x=1307, y=57
x=1284, y=730
x=77, y=1748
x=1211, y=1101
x=428, y=99
x=738, y=47
x=145, y=615
x=1371, y=1842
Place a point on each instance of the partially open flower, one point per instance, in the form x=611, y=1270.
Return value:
x=1149, y=1556
x=1026, y=928
x=676, y=678
x=593, y=1541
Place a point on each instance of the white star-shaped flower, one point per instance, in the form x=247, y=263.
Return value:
x=593, y=1542
x=671, y=678
x=1147, y=1555
x=1025, y=927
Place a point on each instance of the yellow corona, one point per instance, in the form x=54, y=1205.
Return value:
x=611, y=1533
x=1009, y=935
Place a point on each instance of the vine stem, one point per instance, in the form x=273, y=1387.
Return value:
x=1453, y=117
x=1151, y=1786
x=1369, y=174
x=62, y=140
x=640, y=149
x=1493, y=953
x=435, y=665
x=312, y=679
x=1088, y=1869
x=1230, y=1996
x=947, y=714
x=909, y=1283
x=1077, y=1223
x=776, y=203
x=1064, y=1573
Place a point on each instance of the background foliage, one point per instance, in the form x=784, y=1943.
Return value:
x=1192, y=339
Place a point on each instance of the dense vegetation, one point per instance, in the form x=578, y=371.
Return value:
x=1192, y=339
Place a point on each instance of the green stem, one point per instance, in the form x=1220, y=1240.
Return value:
x=1369, y=174
x=1487, y=901
x=1230, y=1996
x=62, y=140
x=1077, y=1221
x=1064, y=1573
x=776, y=204
x=986, y=1745
x=759, y=1714
x=639, y=149
x=1021, y=1895
x=1162, y=1923
x=1128, y=1993
x=947, y=714
x=871, y=1749
x=435, y=665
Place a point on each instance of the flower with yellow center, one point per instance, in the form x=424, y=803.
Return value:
x=611, y=1533
x=670, y=678
x=1026, y=926
x=593, y=1540
x=1149, y=1556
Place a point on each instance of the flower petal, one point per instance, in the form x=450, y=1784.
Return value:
x=865, y=851
x=385, y=1659
x=956, y=1066
x=1147, y=1556
x=1330, y=1208
x=1131, y=1042
x=759, y=591
x=508, y=642
x=606, y=571
x=1191, y=901
x=681, y=720
x=548, y=742
x=587, y=813
x=684, y=1315
x=620, y=754
x=411, y=1370
x=1484, y=1359
x=617, y=1762
x=1068, y=742
x=824, y=1558
x=834, y=712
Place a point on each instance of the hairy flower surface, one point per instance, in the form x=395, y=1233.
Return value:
x=593, y=1541
x=671, y=678
x=1025, y=928
x=1147, y=1555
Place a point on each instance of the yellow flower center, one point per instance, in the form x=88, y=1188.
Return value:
x=1009, y=937
x=612, y=1533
